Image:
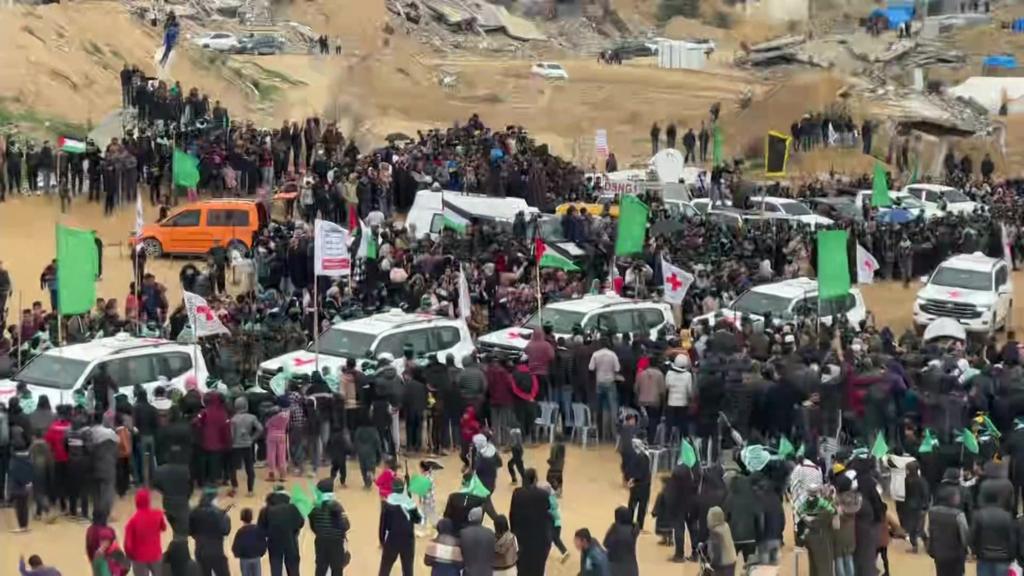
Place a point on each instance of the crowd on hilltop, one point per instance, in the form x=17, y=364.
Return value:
x=728, y=401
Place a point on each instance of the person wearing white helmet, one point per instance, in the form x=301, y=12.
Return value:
x=679, y=383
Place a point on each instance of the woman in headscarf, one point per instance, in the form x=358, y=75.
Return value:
x=868, y=519
x=620, y=542
x=506, y=548
x=530, y=522
x=721, y=551
x=486, y=461
x=746, y=518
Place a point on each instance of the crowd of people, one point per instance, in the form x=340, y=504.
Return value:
x=730, y=399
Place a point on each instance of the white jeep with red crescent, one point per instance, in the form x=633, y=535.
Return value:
x=973, y=289
x=369, y=337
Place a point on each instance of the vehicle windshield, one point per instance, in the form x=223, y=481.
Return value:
x=53, y=371
x=761, y=303
x=551, y=229
x=909, y=202
x=954, y=196
x=795, y=209
x=554, y=67
x=345, y=343
x=561, y=321
x=960, y=278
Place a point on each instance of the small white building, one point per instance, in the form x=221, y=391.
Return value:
x=682, y=54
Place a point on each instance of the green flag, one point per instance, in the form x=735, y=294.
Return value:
x=833, y=266
x=785, y=448
x=801, y=451
x=928, y=442
x=77, y=266
x=687, y=455
x=301, y=500
x=420, y=485
x=969, y=440
x=318, y=496
x=716, y=146
x=185, y=169
x=476, y=488
x=632, y=226
x=880, y=188
x=990, y=427
x=553, y=260
x=454, y=221
x=880, y=449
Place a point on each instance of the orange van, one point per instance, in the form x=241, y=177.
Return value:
x=197, y=227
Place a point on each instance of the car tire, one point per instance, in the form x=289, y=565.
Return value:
x=153, y=248
x=238, y=246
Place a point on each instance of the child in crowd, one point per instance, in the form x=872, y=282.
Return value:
x=556, y=464
x=277, y=441
x=515, y=463
x=249, y=546
x=469, y=426
x=339, y=445
x=556, y=521
x=443, y=555
x=386, y=477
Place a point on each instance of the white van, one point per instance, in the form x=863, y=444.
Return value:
x=431, y=207
x=59, y=372
x=973, y=289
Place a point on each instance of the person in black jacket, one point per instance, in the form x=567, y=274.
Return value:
x=638, y=478
x=529, y=519
x=282, y=521
x=330, y=524
x=620, y=542
x=949, y=534
x=993, y=536
x=144, y=416
x=250, y=544
x=209, y=525
x=175, y=485
x=398, y=518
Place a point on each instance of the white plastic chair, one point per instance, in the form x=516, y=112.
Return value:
x=548, y=420
x=583, y=423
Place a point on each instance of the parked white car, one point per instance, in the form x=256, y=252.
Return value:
x=217, y=41
x=59, y=372
x=939, y=197
x=788, y=301
x=549, y=70
x=368, y=338
x=790, y=209
x=973, y=289
x=600, y=312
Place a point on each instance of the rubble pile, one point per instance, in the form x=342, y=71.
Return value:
x=934, y=113
x=917, y=53
x=780, y=51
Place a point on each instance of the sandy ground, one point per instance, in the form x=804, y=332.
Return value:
x=591, y=494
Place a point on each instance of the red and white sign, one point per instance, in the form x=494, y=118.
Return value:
x=330, y=250
x=675, y=282
x=204, y=320
x=601, y=142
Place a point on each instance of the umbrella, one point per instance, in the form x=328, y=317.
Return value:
x=945, y=328
x=396, y=136
x=895, y=216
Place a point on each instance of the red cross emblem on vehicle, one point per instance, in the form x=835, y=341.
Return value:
x=674, y=282
x=206, y=312
x=303, y=361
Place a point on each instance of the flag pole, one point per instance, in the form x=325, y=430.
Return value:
x=316, y=324
x=19, y=330
x=60, y=328
x=540, y=299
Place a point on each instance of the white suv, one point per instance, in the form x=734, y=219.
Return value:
x=59, y=372
x=973, y=289
x=599, y=312
x=367, y=338
x=788, y=301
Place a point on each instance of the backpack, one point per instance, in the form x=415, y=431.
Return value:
x=124, y=442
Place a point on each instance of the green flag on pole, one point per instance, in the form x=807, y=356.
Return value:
x=928, y=442
x=77, y=267
x=185, y=169
x=785, y=448
x=880, y=448
x=970, y=441
x=301, y=500
x=687, y=455
x=880, y=188
x=716, y=146
x=833, y=266
x=632, y=226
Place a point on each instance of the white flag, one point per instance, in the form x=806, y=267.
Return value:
x=866, y=266
x=139, y=216
x=832, y=136
x=675, y=282
x=464, y=303
x=330, y=250
x=204, y=321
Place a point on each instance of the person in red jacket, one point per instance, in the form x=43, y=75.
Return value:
x=500, y=399
x=56, y=438
x=142, y=536
x=214, y=429
x=469, y=426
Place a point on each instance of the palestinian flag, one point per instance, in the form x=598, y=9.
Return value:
x=548, y=259
x=70, y=145
x=454, y=221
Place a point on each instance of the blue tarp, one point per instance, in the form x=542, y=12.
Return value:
x=1018, y=25
x=895, y=14
x=1000, y=61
